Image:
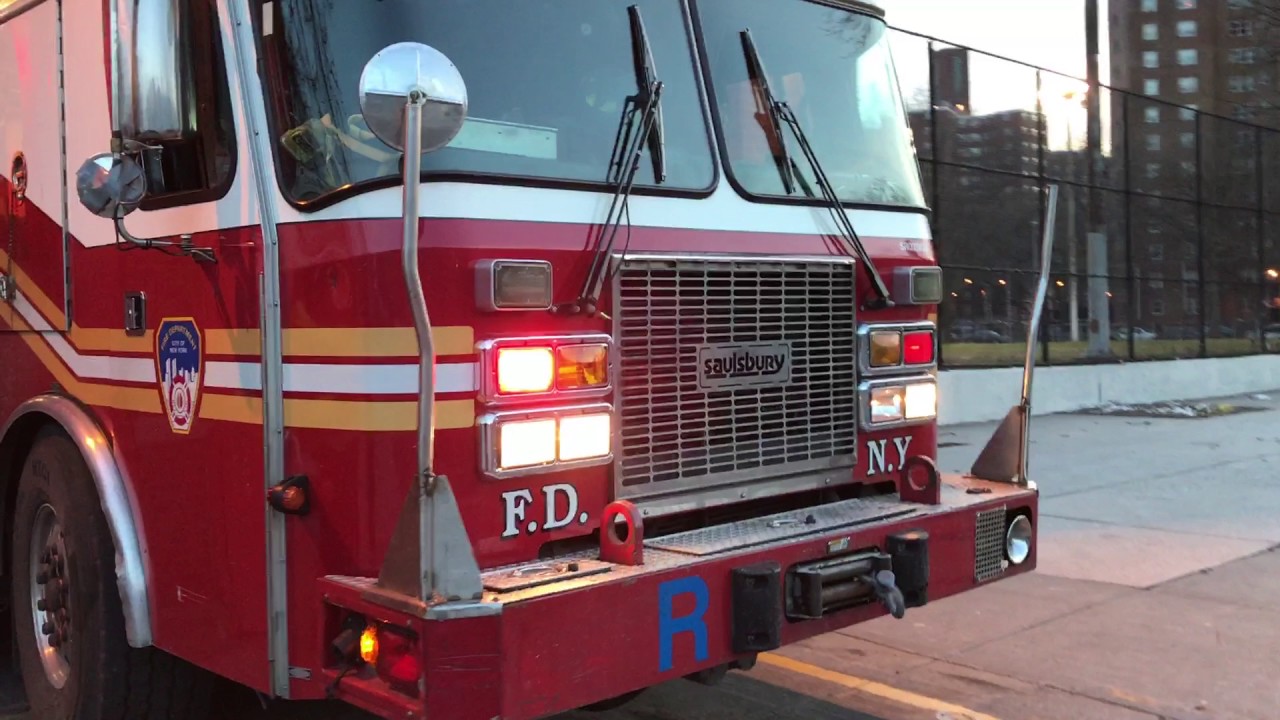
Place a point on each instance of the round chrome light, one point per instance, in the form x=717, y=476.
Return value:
x=1017, y=541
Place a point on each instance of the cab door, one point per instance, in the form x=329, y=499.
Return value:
x=33, y=255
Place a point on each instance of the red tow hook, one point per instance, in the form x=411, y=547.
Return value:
x=622, y=534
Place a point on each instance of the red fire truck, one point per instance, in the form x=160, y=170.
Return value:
x=633, y=379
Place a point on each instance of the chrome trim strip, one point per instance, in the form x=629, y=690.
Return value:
x=864, y=348
x=717, y=257
x=683, y=500
x=115, y=494
x=66, y=191
x=255, y=123
x=864, y=402
x=488, y=425
x=14, y=9
x=486, y=381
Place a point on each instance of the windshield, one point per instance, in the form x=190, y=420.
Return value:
x=546, y=81
x=833, y=67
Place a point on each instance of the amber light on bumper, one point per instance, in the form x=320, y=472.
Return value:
x=545, y=440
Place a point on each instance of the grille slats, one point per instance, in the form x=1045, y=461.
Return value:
x=989, y=544
x=675, y=429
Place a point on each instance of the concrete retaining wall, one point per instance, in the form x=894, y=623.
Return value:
x=967, y=396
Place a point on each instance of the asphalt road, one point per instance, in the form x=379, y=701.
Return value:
x=1157, y=596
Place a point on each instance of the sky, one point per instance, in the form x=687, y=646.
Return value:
x=1046, y=33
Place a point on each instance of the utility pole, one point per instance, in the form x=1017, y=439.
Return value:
x=1096, y=249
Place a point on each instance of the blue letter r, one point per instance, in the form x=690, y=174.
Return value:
x=669, y=627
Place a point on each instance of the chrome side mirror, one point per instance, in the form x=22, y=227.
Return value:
x=111, y=187
x=411, y=70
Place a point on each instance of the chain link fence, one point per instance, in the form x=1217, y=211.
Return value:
x=1182, y=260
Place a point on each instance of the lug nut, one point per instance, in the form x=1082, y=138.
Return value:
x=42, y=577
x=42, y=606
x=47, y=628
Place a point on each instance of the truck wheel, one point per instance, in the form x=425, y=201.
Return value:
x=68, y=623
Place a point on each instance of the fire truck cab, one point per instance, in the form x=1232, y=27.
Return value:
x=466, y=359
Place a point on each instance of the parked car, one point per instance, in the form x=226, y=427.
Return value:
x=1138, y=334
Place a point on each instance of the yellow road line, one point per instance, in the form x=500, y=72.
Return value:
x=871, y=687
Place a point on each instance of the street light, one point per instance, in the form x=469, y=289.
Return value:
x=1272, y=273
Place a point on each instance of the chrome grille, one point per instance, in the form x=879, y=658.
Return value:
x=678, y=431
x=988, y=561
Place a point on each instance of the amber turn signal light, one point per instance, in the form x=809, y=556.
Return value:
x=580, y=367
x=291, y=497
x=886, y=348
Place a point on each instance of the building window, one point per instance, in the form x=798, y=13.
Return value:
x=1185, y=4
x=1187, y=28
x=1148, y=5
x=1190, y=300
x=1188, y=56
x=1242, y=56
x=1188, y=167
x=1242, y=112
x=1240, y=4
x=1153, y=171
x=1188, y=113
x=1157, y=307
x=1153, y=142
x=1152, y=114
x=1151, y=59
x=1155, y=284
x=1187, y=140
x=1241, y=83
x=1240, y=28
x=1188, y=84
x=1151, y=87
x=1150, y=31
x=1155, y=251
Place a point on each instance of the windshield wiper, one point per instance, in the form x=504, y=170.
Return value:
x=756, y=71
x=780, y=113
x=639, y=127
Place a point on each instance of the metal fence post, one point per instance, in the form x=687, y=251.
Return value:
x=1041, y=187
x=1261, y=278
x=1200, y=265
x=937, y=198
x=1131, y=279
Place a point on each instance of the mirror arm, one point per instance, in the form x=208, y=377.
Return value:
x=185, y=246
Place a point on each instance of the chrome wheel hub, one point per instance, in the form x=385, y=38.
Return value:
x=50, y=595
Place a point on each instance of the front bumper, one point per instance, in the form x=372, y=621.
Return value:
x=555, y=636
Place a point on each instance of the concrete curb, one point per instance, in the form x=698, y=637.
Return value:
x=970, y=396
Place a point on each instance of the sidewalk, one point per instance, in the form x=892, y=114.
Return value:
x=1157, y=592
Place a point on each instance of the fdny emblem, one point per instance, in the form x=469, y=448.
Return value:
x=179, y=356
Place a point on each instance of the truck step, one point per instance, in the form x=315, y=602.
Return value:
x=784, y=526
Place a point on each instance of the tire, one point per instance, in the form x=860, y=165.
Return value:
x=105, y=679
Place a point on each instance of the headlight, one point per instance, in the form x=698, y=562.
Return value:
x=1017, y=541
x=543, y=440
x=899, y=402
x=526, y=443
